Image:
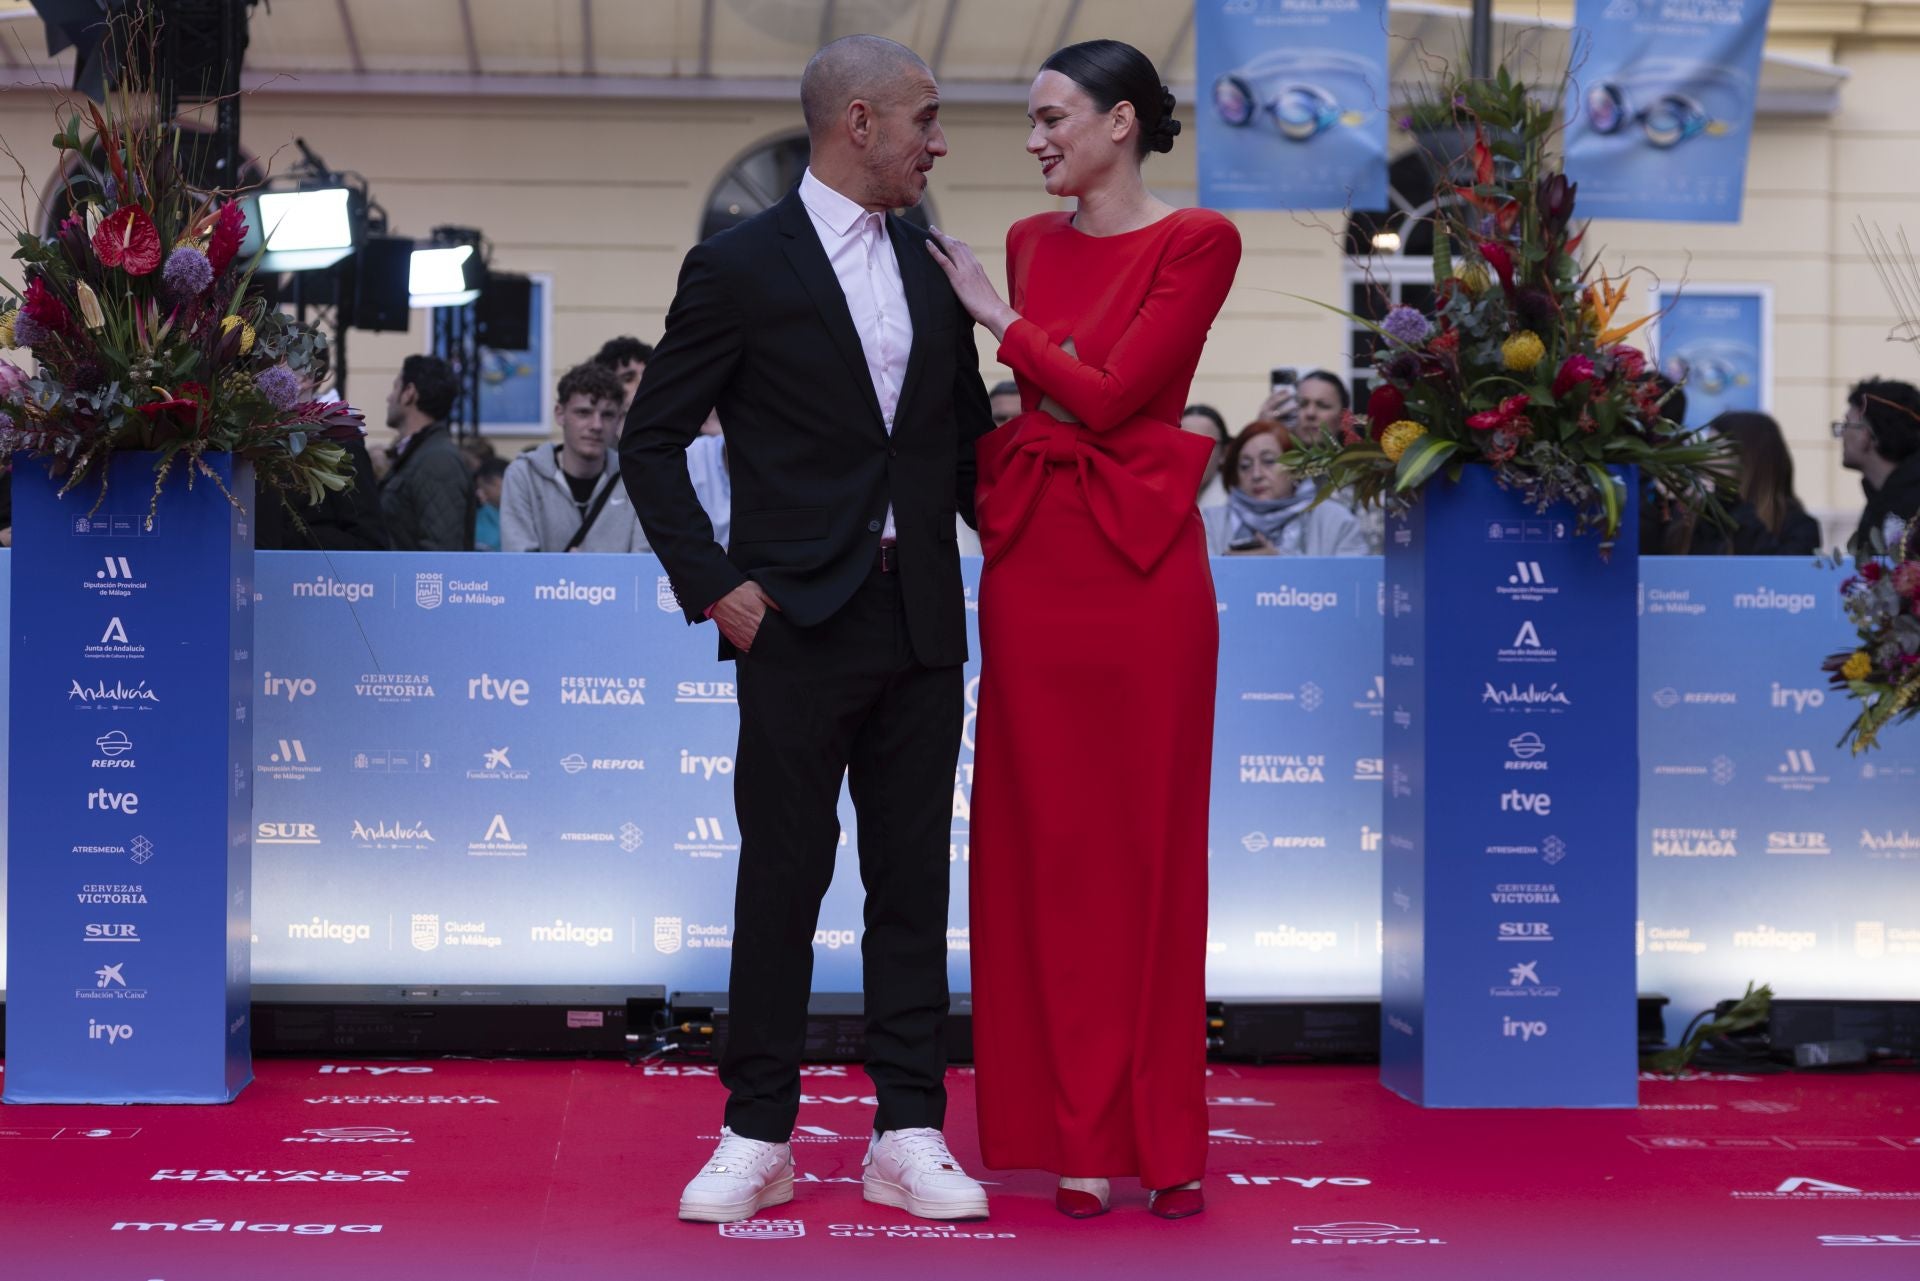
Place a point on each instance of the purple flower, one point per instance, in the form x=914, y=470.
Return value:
x=280, y=386
x=1407, y=326
x=1402, y=367
x=13, y=379
x=187, y=273
x=28, y=332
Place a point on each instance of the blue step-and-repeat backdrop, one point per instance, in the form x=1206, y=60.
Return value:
x=491, y=768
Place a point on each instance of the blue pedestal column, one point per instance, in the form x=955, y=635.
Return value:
x=1512, y=767
x=130, y=787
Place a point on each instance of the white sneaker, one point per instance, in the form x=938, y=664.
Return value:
x=912, y=1170
x=743, y=1177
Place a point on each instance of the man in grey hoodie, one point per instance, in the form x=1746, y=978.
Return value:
x=568, y=497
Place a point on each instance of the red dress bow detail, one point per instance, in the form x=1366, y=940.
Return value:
x=1139, y=480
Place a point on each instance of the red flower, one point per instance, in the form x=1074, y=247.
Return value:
x=229, y=229
x=1500, y=260
x=1511, y=413
x=1629, y=362
x=128, y=240
x=1575, y=371
x=1385, y=406
x=1872, y=571
x=44, y=306
x=1482, y=158
x=1446, y=344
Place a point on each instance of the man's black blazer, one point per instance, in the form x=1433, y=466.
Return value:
x=760, y=330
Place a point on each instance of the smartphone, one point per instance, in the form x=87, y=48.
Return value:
x=1284, y=376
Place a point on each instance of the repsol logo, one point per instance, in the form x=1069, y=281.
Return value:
x=568, y=590
x=1293, y=598
x=328, y=587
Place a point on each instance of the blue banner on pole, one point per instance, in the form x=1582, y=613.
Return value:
x=130, y=782
x=1660, y=113
x=1293, y=110
x=1718, y=341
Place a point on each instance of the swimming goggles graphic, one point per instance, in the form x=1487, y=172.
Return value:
x=1664, y=99
x=1277, y=83
x=1711, y=365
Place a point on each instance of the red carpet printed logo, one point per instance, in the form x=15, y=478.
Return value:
x=1805, y=1189
x=1875, y=1240
x=764, y=1230
x=352, y=1134
x=1361, y=1233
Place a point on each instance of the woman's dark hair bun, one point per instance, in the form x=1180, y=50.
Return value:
x=1111, y=71
x=1165, y=129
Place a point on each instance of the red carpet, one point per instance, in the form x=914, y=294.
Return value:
x=570, y=1172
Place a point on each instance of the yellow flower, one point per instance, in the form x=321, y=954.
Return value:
x=246, y=332
x=1473, y=278
x=1395, y=440
x=1523, y=351
x=90, y=306
x=6, y=326
x=1859, y=666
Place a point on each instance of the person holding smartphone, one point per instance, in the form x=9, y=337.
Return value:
x=1309, y=405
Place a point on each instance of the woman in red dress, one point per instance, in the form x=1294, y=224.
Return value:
x=1099, y=643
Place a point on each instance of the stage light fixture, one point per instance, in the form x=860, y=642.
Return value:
x=444, y=276
x=306, y=230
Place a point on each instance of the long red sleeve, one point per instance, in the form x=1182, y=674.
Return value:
x=1165, y=336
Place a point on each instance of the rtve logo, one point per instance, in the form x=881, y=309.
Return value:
x=486, y=689
x=116, y=802
x=1515, y=801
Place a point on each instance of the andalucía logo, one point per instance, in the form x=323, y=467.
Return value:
x=121, y=695
x=1526, y=698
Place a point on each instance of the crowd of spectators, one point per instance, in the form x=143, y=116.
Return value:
x=432, y=492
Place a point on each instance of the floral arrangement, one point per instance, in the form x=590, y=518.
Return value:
x=1882, y=596
x=148, y=334
x=1882, y=670
x=1522, y=364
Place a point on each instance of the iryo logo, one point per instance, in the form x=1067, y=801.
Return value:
x=705, y=766
x=111, y=1033
x=1525, y=1029
x=291, y=687
x=1797, y=699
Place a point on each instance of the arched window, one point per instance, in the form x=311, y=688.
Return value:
x=1389, y=260
x=762, y=177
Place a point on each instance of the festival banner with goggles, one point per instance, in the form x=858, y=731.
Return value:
x=1296, y=116
x=1660, y=118
x=1718, y=340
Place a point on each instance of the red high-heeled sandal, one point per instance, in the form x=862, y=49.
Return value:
x=1076, y=1204
x=1176, y=1203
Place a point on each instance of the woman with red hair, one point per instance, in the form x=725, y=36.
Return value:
x=1269, y=511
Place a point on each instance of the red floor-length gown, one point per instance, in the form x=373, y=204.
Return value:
x=1093, y=747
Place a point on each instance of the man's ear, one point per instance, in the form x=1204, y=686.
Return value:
x=859, y=121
